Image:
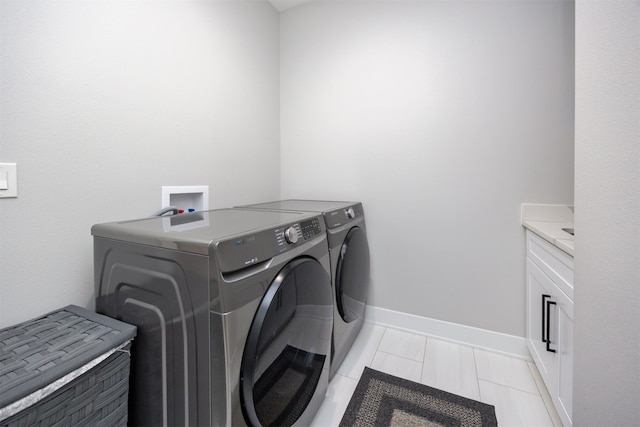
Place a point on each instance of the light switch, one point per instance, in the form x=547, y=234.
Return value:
x=4, y=180
x=8, y=180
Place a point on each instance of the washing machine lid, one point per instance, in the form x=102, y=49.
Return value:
x=303, y=205
x=197, y=231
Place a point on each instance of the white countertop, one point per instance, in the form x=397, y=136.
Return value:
x=547, y=221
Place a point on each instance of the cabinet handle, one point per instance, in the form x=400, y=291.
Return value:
x=544, y=317
x=549, y=349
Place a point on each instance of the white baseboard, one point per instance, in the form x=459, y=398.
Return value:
x=498, y=342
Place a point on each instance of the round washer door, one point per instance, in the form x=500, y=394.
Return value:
x=352, y=275
x=288, y=346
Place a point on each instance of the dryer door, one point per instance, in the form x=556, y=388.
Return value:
x=286, y=354
x=352, y=275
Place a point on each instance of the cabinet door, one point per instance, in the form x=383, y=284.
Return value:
x=541, y=289
x=565, y=358
x=550, y=337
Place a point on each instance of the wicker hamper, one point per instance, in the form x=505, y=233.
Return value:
x=66, y=368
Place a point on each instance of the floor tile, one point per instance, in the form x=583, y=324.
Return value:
x=450, y=367
x=515, y=408
x=335, y=402
x=503, y=370
x=403, y=344
x=508, y=383
x=397, y=366
x=362, y=351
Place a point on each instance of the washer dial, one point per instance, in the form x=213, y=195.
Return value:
x=291, y=235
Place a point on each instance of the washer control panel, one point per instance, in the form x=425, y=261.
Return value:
x=244, y=251
x=291, y=234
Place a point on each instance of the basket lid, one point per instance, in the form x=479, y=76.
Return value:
x=37, y=352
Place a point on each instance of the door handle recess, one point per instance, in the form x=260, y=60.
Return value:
x=549, y=303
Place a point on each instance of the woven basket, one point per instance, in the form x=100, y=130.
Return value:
x=73, y=363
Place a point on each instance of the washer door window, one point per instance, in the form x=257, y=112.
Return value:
x=352, y=275
x=288, y=345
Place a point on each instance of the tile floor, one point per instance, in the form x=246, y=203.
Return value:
x=512, y=385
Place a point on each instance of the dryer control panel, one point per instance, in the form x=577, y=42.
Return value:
x=245, y=251
x=344, y=215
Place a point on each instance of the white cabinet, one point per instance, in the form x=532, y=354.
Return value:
x=550, y=320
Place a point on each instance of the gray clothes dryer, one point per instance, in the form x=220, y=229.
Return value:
x=349, y=253
x=234, y=311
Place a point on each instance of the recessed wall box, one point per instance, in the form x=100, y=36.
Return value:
x=187, y=198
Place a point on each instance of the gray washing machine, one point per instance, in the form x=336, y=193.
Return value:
x=234, y=311
x=349, y=253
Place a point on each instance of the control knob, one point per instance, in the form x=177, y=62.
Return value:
x=291, y=235
x=351, y=213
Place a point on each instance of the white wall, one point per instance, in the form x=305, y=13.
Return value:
x=442, y=117
x=102, y=103
x=607, y=216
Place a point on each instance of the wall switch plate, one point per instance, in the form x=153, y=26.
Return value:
x=8, y=180
x=187, y=198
